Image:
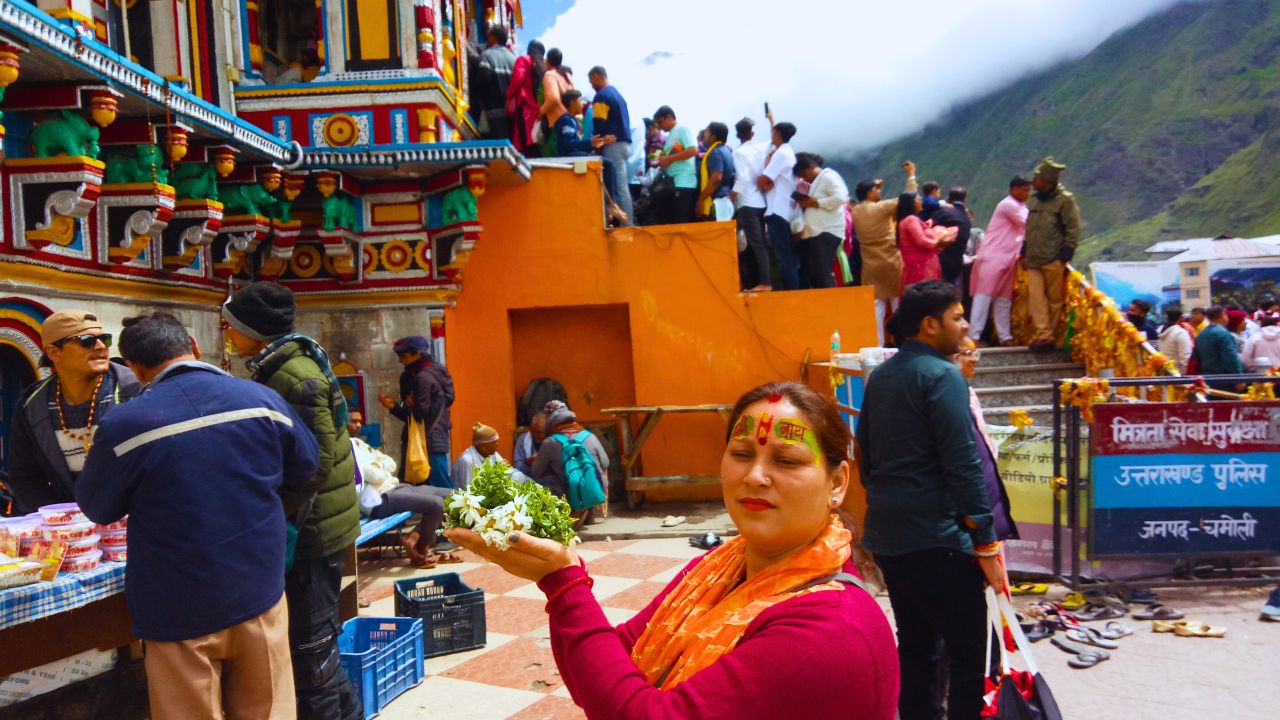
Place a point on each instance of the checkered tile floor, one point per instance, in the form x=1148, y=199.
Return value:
x=514, y=675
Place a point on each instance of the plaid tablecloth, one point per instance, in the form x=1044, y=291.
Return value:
x=67, y=592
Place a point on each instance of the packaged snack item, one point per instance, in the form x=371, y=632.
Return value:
x=113, y=539
x=62, y=514
x=20, y=534
x=84, y=563
x=115, y=555
x=66, y=533
x=22, y=572
x=50, y=554
x=119, y=525
x=84, y=546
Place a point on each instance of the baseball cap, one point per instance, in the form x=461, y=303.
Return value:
x=68, y=323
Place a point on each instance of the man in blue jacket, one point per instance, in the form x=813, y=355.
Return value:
x=1215, y=350
x=198, y=462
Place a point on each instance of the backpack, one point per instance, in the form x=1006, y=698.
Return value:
x=581, y=475
x=540, y=392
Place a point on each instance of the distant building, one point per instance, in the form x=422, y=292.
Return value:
x=1194, y=271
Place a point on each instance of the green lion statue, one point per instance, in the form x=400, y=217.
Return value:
x=459, y=205
x=124, y=169
x=248, y=199
x=196, y=181
x=338, y=213
x=65, y=132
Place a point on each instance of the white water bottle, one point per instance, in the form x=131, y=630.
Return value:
x=835, y=345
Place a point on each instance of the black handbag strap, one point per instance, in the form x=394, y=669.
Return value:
x=840, y=577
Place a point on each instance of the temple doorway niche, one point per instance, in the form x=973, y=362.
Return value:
x=292, y=37
x=16, y=373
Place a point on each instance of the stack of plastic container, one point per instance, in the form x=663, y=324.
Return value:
x=115, y=540
x=65, y=523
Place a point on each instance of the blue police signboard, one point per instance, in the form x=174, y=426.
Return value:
x=1185, y=479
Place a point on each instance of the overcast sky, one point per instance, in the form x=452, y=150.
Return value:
x=851, y=74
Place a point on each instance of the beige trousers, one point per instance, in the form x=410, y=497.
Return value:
x=1044, y=298
x=242, y=673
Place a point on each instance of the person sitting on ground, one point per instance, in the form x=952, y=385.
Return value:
x=966, y=358
x=201, y=463
x=920, y=242
x=378, y=471
x=1264, y=346
x=824, y=220
x=1138, y=316
x=773, y=623
x=1175, y=339
x=563, y=431
x=528, y=444
x=483, y=449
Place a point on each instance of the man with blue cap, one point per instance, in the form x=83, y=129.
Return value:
x=426, y=393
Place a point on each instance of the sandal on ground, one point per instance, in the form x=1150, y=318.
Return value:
x=1156, y=611
x=707, y=541
x=1039, y=631
x=1116, y=630
x=1092, y=612
x=1028, y=588
x=1200, y=630
x=444, y=558
x=1139, y=596
x=425, y=563
x=1091, y=636
x=1170, y=625
x=1073, y=601
x=1084, y=657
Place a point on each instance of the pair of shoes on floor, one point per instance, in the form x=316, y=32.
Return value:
x=1189, y=628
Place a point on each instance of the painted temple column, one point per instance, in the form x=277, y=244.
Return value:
x=171, y=38
x=75, y=12
x=251, y=32
x=424, y=15
x=10, y=65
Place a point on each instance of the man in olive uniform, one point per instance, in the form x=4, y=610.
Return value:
x=1053, y=231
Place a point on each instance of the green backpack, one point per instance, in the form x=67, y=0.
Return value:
x=581, y=476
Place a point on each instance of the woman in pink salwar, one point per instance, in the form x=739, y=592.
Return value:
x=919, y=242
x=995, y=263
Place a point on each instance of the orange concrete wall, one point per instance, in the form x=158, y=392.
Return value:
x=694, y=337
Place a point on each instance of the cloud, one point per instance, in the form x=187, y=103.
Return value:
x=851, y=75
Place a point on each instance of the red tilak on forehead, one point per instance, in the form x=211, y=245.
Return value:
x=776, y=397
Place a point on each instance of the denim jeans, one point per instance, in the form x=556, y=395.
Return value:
x=617, y=155
x=784, y=248
x=440, y=469
x=323, y=688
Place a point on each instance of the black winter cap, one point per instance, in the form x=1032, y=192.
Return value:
x=261, y=310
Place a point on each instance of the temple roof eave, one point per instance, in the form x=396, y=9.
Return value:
x=419, y=160
x=92, y=60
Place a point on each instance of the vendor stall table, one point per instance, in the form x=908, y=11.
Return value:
x=49, y=621
x=630, y=447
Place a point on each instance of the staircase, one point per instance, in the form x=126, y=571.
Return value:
x=1014, y=378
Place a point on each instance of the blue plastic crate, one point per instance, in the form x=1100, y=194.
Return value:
x=383, y=657
x=451, y=611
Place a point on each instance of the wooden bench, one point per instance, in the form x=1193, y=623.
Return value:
x=630, y=447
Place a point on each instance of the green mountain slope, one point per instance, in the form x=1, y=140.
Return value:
x=1169, y=129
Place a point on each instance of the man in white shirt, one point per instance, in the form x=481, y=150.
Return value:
x=748, y=162
x=823, y=209
x=778, y=183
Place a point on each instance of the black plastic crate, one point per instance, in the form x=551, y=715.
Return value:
x=452, y=612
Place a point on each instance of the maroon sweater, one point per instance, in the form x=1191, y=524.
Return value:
x=822, y=655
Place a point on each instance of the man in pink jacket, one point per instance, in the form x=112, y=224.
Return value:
x=994, y=266
x=1265, y=346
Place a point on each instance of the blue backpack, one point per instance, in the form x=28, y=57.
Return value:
x=581, y=475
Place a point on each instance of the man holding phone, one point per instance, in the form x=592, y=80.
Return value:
x=778, y=183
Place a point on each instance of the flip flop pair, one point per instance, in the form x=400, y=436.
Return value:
x=1091, y=636
x=1028, y=588
x=1156, y=611
x=1084, y=657
x=1168, y=626
x=1096, y=611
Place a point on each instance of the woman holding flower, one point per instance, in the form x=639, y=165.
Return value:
x=773, y=623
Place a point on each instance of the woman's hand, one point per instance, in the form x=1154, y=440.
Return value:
x=529, y=557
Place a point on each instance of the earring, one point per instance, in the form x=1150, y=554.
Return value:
x=835, y=500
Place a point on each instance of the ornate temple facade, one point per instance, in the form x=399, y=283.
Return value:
x=156, y=153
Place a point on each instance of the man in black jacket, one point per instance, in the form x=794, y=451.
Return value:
x=954, y=214
x=56, y=418
x=426, y=393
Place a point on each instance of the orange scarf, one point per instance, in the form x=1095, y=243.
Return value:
x=706, y=615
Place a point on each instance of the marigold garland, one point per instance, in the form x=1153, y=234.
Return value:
x=1020, y=419
x=1083, y=393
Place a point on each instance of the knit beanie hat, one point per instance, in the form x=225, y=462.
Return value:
x=560, y=416
x=1049, y=170
x=481, y=434
x=262, y=311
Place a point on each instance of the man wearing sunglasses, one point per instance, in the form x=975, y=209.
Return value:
x=56, y=418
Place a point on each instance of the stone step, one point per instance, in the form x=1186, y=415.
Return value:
x=1033, y=374
x=1020, y=355
x=1016, y=396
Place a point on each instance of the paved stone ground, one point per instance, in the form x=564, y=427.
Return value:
x=1152, y=676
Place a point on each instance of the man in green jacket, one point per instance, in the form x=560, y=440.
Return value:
x=1053, y=232
x=258, y=321
x=1215, y=350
